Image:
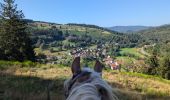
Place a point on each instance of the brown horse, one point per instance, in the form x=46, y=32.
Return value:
x=87, y=84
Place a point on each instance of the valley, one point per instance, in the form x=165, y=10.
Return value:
x=125, y=58
x=94, y=42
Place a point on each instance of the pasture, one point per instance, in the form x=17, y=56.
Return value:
x=36, y=81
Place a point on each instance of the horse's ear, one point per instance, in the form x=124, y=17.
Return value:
x=75, y=68
x=98, y=66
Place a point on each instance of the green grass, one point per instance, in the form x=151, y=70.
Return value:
x=79, y=30
x=6, y=64
x=126, y=59
x=132, y=51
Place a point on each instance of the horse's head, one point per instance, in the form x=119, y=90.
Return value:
x=87, y=83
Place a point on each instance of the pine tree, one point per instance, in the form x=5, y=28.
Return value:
x=15, y=43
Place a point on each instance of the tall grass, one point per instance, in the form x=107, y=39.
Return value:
x=6, y=64
x=30, y=86
x=140, y=75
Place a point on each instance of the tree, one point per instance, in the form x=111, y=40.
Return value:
x=15, y=43
x=153, y=64
x=165, y=67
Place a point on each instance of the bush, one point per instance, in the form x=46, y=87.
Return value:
x=167, y=75
x=28, y=64
x=6, y=64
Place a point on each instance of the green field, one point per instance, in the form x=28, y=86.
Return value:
x=131, y=57
x=132, y=51
x=126, y=59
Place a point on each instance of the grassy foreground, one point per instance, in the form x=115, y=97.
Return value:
x=26, y=83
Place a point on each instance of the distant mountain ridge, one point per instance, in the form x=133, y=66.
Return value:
x=128, y=29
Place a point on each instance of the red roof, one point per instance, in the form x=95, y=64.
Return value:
x=113, y=65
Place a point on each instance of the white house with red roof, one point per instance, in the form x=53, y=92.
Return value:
x=114, y=65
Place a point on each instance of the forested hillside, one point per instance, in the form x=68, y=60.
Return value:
x=156, y=34
x=78, y=35
x=156, y=42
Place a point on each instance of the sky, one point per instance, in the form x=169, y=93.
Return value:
x=104, y=13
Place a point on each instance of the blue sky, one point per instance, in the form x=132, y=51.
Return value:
x=99, y=12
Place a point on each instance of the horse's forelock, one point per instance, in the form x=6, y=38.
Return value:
x=92, y=76
x=93, y=73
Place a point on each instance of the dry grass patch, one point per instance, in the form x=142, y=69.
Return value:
x=32, y=83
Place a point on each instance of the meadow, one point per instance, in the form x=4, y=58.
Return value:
x=134, y=52
x=32, y=81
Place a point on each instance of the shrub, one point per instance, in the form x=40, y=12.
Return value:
x=28, y=64
x=6, y=64
x=167, y=75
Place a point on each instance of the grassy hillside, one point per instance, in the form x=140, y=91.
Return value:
x=77, y=29
x=32, y=83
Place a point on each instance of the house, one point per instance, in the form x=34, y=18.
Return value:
x=114, y=65
x=108, y=60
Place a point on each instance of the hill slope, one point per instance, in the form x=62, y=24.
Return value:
x=82, y=33
x=157, y=34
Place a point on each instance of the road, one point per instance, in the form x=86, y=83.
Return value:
x=144, y=52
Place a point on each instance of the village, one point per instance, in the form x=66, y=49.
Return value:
x=86, y=53
x=96, y=53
